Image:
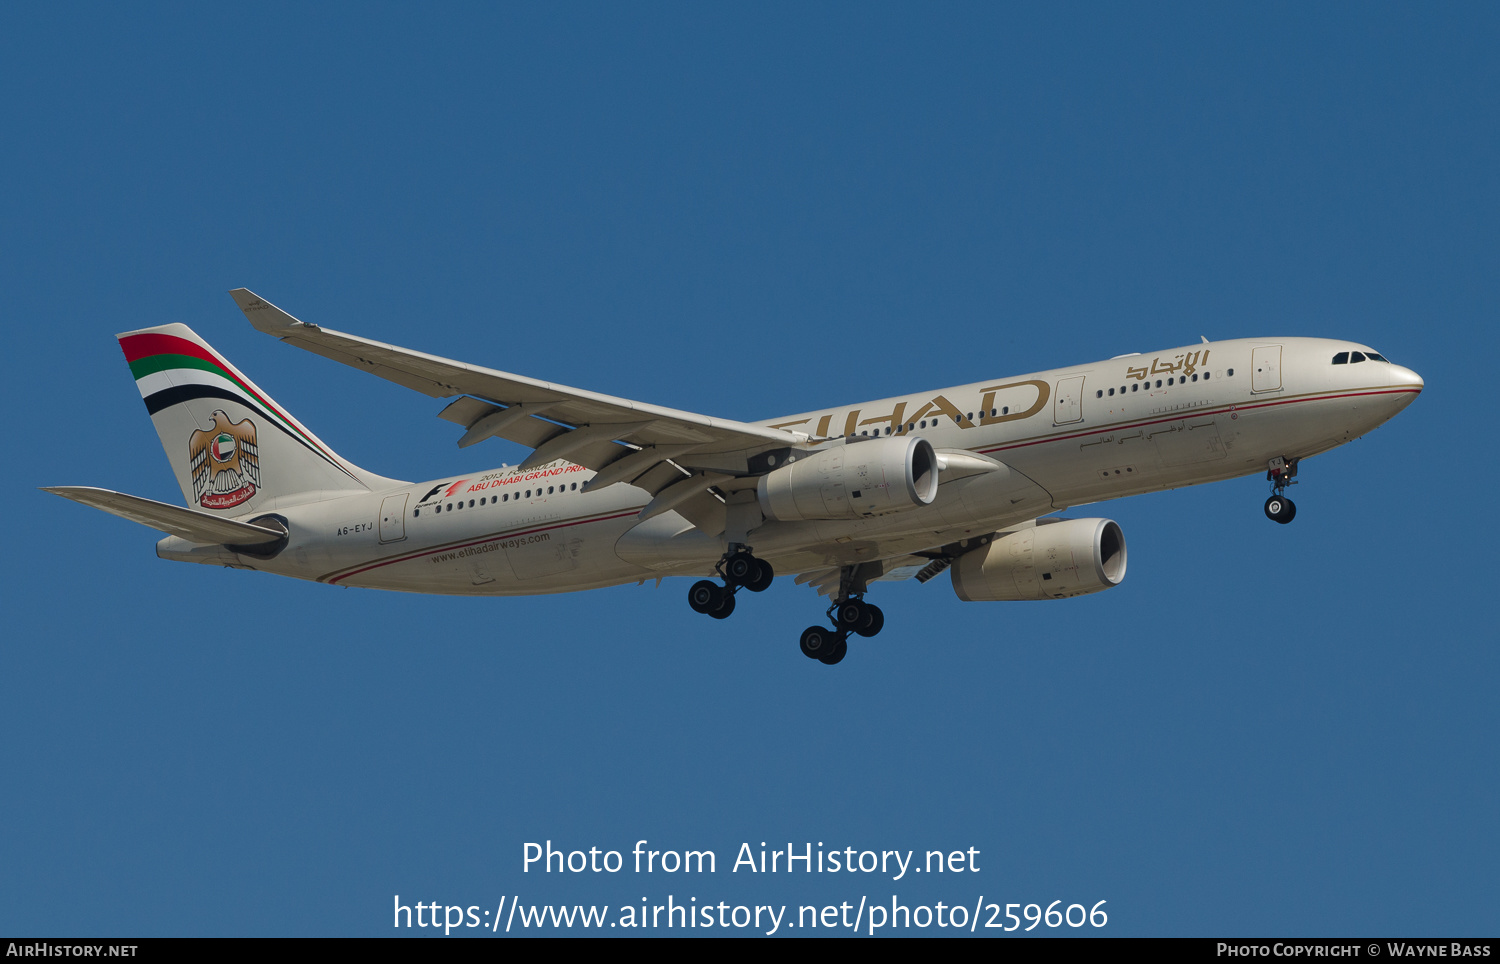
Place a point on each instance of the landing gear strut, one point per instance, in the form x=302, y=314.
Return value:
x=1281, y=472
x=849, y=614
x=739, y=569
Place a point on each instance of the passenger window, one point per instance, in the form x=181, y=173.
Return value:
x=1111, y=392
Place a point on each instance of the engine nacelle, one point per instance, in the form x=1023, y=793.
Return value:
x=852, y=479
x=1054, y=559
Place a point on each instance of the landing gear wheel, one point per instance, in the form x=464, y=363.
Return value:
x=852, y=615
x=705, y=596
x=818, y=641
x=839, y=650
x=741, y=569
x=1280, y=509
x=876, y=622
x=762, y=580
x=725, y=608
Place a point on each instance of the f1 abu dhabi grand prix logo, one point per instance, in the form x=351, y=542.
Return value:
x=225, y=463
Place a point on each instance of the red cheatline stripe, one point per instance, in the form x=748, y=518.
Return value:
x=144, y=346
x=464, y=545
x=1192, y=413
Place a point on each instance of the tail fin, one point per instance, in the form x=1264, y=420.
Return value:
x=232, y=448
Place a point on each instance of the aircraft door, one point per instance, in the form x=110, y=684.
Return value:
x=393, y=518
x=1069, y=404
x=1265, y=369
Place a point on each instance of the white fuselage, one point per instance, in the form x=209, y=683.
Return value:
x=1069, y=436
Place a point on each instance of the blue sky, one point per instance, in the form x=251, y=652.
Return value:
x=746, y=213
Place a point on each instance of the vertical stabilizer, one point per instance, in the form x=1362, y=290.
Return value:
x=232, y=448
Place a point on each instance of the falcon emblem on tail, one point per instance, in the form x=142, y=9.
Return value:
x=225, y=463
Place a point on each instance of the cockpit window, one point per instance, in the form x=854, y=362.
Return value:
x=1351, y=357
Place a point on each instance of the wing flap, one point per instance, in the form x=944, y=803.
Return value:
x=467, y=410
x=660, y=476
x=597, y=455
x=190, y=524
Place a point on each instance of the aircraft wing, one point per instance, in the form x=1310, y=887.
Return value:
x=190, y=524
x=624, y=441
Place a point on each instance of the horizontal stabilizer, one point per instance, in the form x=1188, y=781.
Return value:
x=190, y=524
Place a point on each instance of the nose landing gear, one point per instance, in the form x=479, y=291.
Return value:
x=1280, y=509
x=1281, y=472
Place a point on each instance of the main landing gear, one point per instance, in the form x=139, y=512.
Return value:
x=739, y=570
x=849, y=614
x=1280, y=473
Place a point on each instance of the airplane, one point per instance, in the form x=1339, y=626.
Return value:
x=615, y=491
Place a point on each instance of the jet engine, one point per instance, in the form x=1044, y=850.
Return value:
x=852, y=479
x=1054, y=559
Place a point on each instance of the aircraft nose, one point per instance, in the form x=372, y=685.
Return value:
x=1405, y=378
